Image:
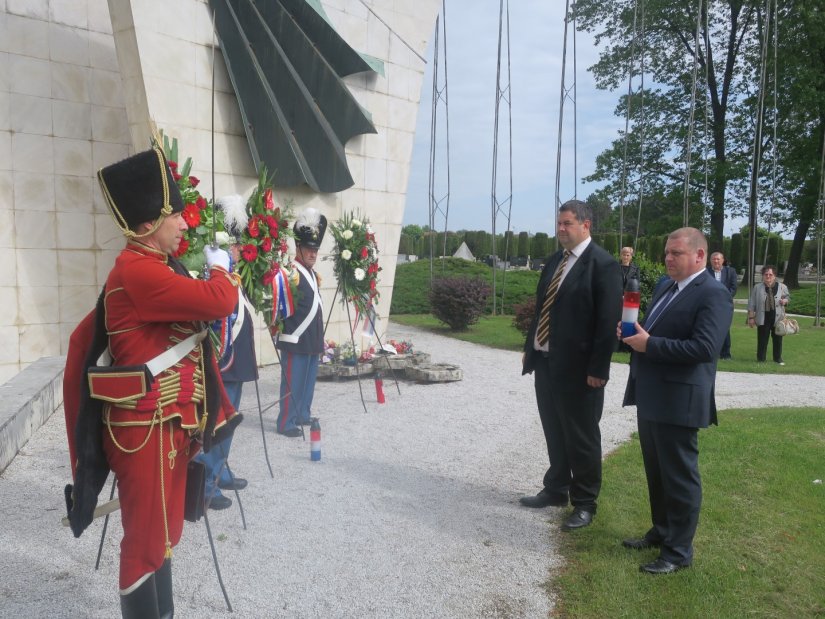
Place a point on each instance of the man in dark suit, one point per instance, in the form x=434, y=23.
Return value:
x=672, y=375
x=726, y=276
x=569, y=345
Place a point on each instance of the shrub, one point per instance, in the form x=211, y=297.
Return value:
x=650, y=274
x=412, y=283
x=524, y=313
x=459, y=301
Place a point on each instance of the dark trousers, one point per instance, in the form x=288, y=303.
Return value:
x=574, y=442
x=765, y=331
x=671, y=459
x=725, y=353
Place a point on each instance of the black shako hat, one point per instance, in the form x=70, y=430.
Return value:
x=309, y=228
x=138, y=189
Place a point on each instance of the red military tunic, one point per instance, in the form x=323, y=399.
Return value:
x=150, y=308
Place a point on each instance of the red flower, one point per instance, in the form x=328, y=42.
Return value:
x=273, y=225
x=176, y=176
x=266, y=245
x=284, y=247
x=194, y=181
x=201, y=202
x=254, y=231
x=191, y=215
x=372, y=284
x=173, y=165
x=269, y=203
x=249, y=253
x=364, y=252
x=184, y=245
x=267, y=278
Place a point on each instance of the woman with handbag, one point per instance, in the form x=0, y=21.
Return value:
x=766, y=307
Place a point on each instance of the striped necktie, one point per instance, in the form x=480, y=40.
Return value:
x=543, y=330
x=660, y=306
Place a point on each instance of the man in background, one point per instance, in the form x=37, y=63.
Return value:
x=569, y=346
x=726, y=276
x=301, y=341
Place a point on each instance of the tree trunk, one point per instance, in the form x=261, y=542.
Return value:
x=792, y=273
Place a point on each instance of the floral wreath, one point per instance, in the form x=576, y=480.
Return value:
x=355, y=261
x=264, y=266
x=198, y=213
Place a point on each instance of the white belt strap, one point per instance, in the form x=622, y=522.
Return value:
x=171, y=356
x=292, y=338
x=244, y=309
x=167, y=358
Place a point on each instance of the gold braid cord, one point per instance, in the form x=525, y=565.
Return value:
x=157, y=419
x=168, y=553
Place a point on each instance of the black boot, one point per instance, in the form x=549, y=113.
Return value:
x=163, y=586
x=142, y=603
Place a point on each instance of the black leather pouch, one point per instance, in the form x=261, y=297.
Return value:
x=195, y=479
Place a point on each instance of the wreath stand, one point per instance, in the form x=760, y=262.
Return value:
x=352, y=342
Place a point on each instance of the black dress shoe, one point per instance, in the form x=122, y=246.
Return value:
x=292, y=432
x=641, y=543
x=543, y=499
x=305, y=422
x=237, y=483
x=661, y=566
x=220, y=502
x=579, y=519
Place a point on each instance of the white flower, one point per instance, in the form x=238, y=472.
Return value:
x=194, y=274
x=359, y=274
x=346, y=254
x=347, y=234
x=355, y=224
x=222, y=238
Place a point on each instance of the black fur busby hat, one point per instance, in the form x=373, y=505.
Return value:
x=140, y=188
x=309, y=228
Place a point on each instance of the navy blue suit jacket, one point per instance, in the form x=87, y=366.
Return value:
x=673, y=381
x=729, y=278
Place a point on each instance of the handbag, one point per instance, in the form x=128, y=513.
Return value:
x=786, y=326
x=193, y=505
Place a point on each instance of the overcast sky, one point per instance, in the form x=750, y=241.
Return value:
x=537, y=29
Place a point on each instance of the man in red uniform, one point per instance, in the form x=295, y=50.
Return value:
x=141, y=418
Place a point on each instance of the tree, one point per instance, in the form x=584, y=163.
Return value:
x=602, y=213
x=540, y=246
x=414, y=231
x=726, y=51
x=801, y=121
x=523, y=248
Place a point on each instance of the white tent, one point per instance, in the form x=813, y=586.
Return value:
x=464, y=252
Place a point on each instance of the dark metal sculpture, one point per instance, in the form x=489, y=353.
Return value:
x=286, y=62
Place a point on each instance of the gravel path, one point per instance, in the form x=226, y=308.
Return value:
x=412, y=512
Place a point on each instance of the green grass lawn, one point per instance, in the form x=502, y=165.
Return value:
x=803, y=353
x=759, y=546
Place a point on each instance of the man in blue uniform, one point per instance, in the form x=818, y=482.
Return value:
x=238, y=364
x=301, y=341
